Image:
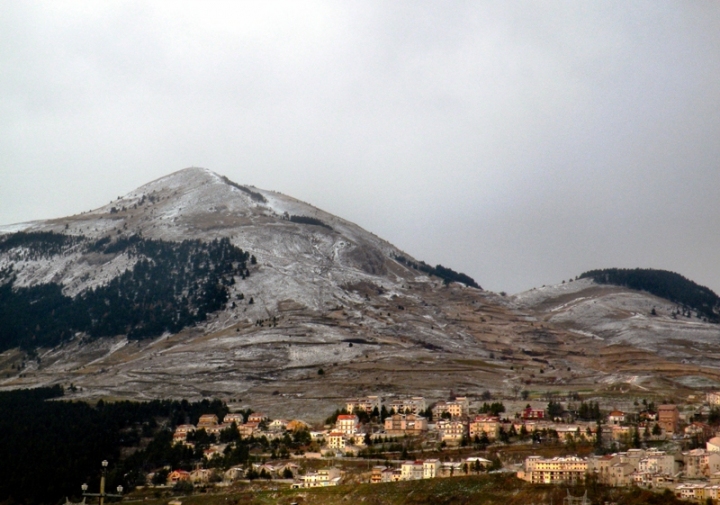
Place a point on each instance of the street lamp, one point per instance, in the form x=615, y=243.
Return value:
x=102, y=494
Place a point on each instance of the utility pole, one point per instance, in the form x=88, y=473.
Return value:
x=102, y=494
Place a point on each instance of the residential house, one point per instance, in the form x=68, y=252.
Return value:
x=366, y=404
x=233, y=418
x=411, y=470
x=690, y=491
x=216, y=429
x=576, y=432
x=451, y=432
x=490, y=425
x=451, y=468
x=248, y=429
x=322, y=478
x=658, y=462
x=712, y=492
x=376, y=475
x=460, y=407
x=257, y=417
x=621, y=432
x=207, y=421
x=616, y=417
x=385, y=474
x=647, y=416
x=431, y=468
x=347, y=423
x=600, y=466
x=278, y=425
x=268, y=468
x=414, y=405
x=700, y=463
x=336, y=440
x=401, y=424
x=621, y=474
x=415, y=424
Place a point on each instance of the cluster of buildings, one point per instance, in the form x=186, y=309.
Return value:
x=452, y=422
x=428, y=469
x=693, y=474
x=257, y=424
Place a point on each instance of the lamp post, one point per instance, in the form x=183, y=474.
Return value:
x=102, y=494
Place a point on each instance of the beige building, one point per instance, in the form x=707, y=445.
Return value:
x=336, y=440
x=367, y=404
x=401, y=424
x=248, y=429
x=207, y=421
x=347, y=423
x=451, y=432
x=411, y=470
x=233, y=418
x=322, y=478
x=460, y=407
x=658, y=462
x=490, y=425
x=431, y=468
x=414, y=405
x=377, y=474
x=569, y=469
x=700, y=463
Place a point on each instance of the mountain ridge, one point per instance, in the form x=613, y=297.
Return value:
x=324, y=294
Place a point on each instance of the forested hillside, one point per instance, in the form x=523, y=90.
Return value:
x=171, y=285
x=668, y=285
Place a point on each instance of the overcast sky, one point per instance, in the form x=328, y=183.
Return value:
x=519, y=142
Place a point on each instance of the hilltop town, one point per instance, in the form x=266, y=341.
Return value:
x=564, y=441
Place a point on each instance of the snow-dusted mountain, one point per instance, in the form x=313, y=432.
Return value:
x=318, y=291
x=276, y=303
x=308, y=261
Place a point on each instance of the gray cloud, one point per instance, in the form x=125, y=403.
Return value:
x=519, y=142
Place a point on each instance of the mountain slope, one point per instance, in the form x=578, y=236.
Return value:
x=642, y=336
x=320, y=290
x=270, y=291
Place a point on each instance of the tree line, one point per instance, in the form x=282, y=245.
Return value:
x=448, y=275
